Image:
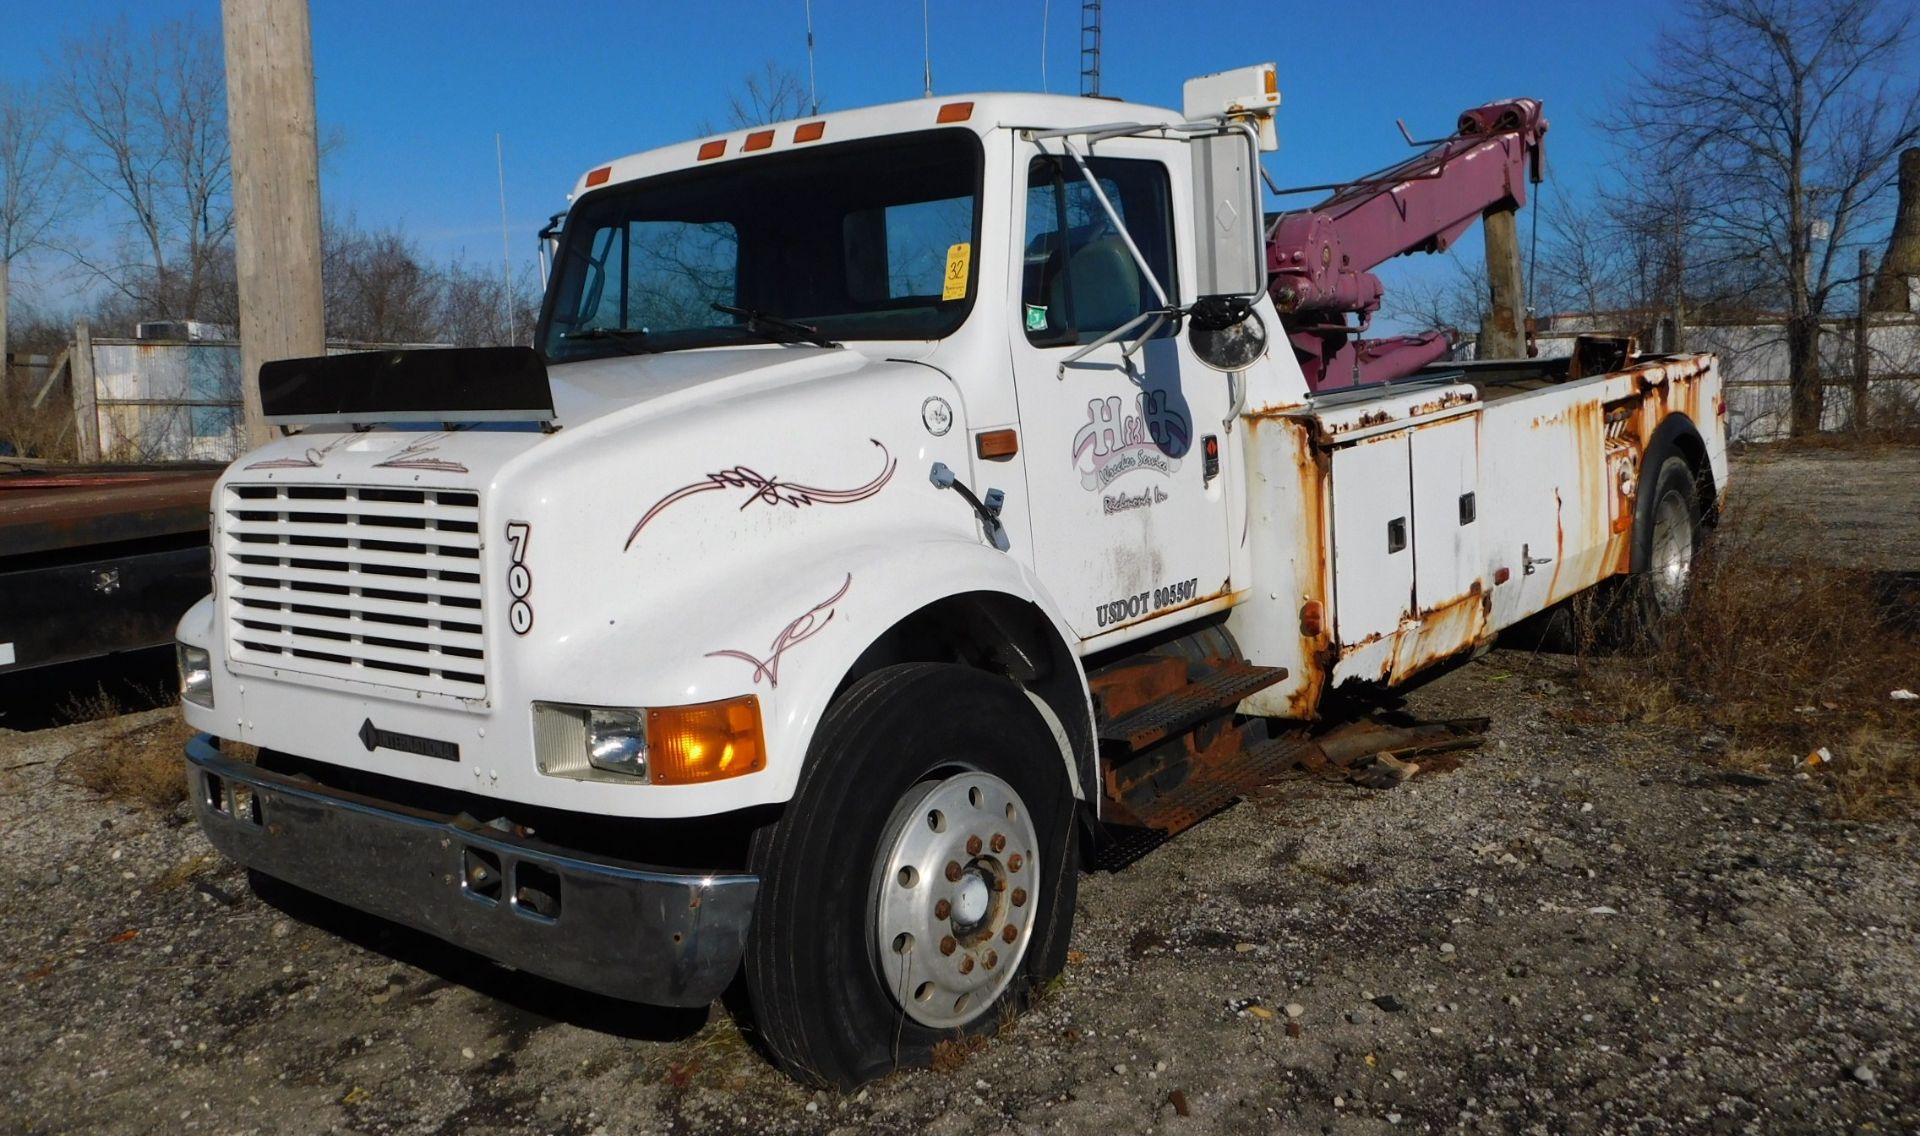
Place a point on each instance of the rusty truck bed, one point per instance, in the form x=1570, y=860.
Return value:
x=98, y=559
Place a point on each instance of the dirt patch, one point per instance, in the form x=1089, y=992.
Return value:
x=1583, y=928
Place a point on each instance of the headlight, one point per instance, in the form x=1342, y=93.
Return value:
x=575, y=741
x=196, y=674
x=686, y=744
x=617, y=740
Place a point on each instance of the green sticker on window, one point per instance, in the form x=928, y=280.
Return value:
x=1036, y=317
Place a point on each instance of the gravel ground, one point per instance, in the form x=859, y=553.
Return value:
x=1583, y=928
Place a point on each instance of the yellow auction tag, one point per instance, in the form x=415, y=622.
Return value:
x=959, y=260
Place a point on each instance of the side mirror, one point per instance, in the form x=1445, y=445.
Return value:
x=1226, y=334
x=1229, y=239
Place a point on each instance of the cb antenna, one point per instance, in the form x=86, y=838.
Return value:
x=1090, y=48
x=813, y=87
x=926, y=45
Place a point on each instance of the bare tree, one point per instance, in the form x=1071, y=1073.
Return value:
x=1785, y=118
x=32, y=183
x=771, y=94
x=378, y=287
x=473, y=306
x=150, y=118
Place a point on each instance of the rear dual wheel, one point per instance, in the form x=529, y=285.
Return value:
x=1667, y=530
x=920, y=884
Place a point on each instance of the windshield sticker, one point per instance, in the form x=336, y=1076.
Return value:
x=771, y=490
x=1036, y=317
x=959, y=260
x=1113, y=443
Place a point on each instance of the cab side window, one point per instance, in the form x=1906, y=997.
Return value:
x=1079, y=280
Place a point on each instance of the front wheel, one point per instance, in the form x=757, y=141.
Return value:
x=921, y=881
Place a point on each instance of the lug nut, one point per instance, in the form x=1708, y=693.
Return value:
x=999, y=842
x=973, y=846
x=947, y=945
x=1019, y=897
x=1010, y=934
x=966, y=965
x=953, y=871
x=942, y=909
x=993, y=960
x=1013, y=862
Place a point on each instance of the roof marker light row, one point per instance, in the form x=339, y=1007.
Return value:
x=762, y=139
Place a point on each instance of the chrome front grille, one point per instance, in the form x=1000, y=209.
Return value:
x=368, y=583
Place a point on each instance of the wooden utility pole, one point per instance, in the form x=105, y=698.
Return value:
x=1503, y=327
x=276, y=189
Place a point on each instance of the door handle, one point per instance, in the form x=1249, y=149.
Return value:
x=1396, y=535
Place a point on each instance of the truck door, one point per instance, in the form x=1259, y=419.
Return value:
x=1129, y=516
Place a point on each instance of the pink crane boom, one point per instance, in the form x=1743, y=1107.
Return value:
x=1319, y=260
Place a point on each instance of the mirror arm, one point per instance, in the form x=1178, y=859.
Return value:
x=1158, y=315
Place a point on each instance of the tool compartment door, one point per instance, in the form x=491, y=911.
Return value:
x=1372, y=537
x=1447, y=557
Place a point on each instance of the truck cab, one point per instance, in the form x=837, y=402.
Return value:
x=897, y=499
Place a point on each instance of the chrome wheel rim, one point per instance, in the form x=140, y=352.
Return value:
x=955, y=886
x=1672, y=552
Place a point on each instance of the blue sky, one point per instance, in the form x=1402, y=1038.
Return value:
x=419, y=88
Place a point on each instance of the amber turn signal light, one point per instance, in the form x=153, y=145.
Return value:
x=599, y=176
x=710, y=741
x=954, y=112
x=994, y=444
x=713, y=149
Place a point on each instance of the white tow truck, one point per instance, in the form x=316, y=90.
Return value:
x=899, y=501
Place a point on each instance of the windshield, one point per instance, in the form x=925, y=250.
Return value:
x=860, y=240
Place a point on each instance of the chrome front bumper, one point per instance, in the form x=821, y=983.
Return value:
x=615, y=928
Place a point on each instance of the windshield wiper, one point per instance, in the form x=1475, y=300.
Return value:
x=632, y=340
x=770, y=326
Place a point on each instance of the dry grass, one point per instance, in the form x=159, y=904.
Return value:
x=1780, y=654
x=140, y=765
x=45, y=432
x=951, y=1054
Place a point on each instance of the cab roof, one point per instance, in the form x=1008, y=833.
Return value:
x=977, y=112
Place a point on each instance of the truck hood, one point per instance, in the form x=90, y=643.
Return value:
x=594, y=388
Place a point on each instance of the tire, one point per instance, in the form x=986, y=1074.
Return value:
x=1666, y=538
x=851, y=969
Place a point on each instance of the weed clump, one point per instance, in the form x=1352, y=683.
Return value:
x=142, y=765
x=1780, y=654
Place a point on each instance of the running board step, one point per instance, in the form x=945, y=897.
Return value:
x=1210, y=788
x=1181, y=710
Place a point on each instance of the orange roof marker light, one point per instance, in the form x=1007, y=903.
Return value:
x=713, y=149
x=599, y=176
x=955, y=112
x=809, y=131
x=759, y=140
